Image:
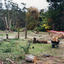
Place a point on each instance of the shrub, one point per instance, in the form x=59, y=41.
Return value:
x=16, y=30
x=26, y=48
x=40, y=28
x=20, y=30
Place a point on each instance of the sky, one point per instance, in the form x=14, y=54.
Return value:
x=39, y=4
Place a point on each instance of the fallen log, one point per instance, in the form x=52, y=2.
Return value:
x=45, y=41
x=40, y=41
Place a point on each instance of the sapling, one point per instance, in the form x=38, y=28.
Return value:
x=26, y=47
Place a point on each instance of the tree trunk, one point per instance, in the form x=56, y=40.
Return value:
x=9, y=25
x=53, y=26
x=6, y=22
x=26, y=30
x=18, y=29
x=16, y=25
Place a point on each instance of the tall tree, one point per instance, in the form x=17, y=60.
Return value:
x=8, y=7
x=2, y=23
x=54, y=13
x=44, y=20
x=25, y=9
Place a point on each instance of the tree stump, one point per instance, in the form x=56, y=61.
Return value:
x=37, y=31
x=6, y=35
x=34, y=40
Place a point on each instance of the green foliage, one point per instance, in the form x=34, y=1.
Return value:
x=7, y=50
x=14, y=39
x=43, y=21
x=32, y=17
x=1, y=43
x=1, y=36
x=2, y=26
x=26, y=48
x=56, y=15
x=40, y=28
x=7, y=46
x=54, y=0
x=20, y=30
x=12, y=27
x=12, y=12
x=31, y=25
x=16, y=30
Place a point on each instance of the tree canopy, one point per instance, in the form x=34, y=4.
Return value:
x=55, y=14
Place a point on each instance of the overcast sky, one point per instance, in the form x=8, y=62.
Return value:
x=39, y=4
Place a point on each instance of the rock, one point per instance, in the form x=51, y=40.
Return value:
x=47, y=55
x=30, y=58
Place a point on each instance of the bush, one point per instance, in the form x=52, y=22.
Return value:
x=20, y=30
x=13, y=28
x=40, y=28
x=16, y=30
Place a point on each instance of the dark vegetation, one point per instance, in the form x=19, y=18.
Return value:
x=13, y=15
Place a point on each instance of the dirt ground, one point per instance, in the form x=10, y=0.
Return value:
x=47, y=60
x=42, y=59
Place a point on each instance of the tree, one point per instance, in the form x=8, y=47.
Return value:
x=2, y=24
x=32, y=16
x=12, y=13
x=43, y=18
x=25, y=9
x=8, y=7
x=55, y=12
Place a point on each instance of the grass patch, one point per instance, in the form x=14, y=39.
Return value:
x=7, y=50
x=39, y=49
x=10, y=48
x=1, y=34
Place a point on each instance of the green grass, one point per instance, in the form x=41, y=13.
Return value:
x=1, y=34
x=39, y=49
x=10, y=48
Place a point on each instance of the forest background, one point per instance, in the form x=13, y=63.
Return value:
x=13, y=16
